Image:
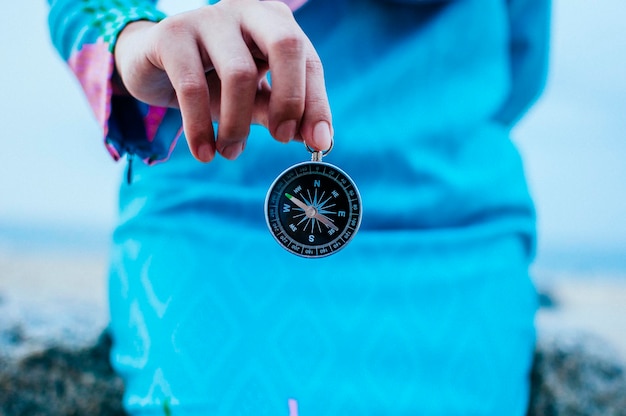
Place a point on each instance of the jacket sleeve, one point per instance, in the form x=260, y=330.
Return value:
x=84, y=32
x=529, y=30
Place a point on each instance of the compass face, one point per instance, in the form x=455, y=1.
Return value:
x=313, y=209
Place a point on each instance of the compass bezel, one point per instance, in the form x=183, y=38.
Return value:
x=295, y=241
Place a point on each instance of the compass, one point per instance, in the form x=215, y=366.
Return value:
x=313, y=209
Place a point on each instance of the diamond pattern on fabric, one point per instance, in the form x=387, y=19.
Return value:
x=159, y=388
x=139, y=352
x=303, y=349
x=389, y=362
x=255, y=396
x=206, y=335
x=159, y=274
x=159, y=305
x=256, y=289
x=349, y=294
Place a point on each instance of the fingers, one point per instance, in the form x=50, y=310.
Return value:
x=181, y=61
x=279, y=38
x=298, y=106
x=211, y=64
x=316, y=129
x=239, y=78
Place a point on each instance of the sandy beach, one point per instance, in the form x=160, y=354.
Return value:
x=53, y=275
x=593, y=304
x=53, y=295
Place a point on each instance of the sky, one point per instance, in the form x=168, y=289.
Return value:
x=54, y=170
x=574, y=140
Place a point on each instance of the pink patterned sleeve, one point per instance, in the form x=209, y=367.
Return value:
x=84, y=32
x=93, y=67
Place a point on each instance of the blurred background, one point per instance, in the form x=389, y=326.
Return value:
x=58, y=185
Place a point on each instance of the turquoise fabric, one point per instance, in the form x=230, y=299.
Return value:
x=429, y=311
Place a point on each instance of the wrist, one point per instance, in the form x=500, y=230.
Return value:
x=123, y=52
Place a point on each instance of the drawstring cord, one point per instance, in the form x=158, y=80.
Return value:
x=129, y=169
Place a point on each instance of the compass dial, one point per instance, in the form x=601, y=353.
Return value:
x=313, y=209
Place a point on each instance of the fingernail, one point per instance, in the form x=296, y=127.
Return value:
x=205, y=152
x=321, y=135
x=232, y=151
x=286, y=131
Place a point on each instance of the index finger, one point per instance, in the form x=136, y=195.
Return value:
x=182, y=63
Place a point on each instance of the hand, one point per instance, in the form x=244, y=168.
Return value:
x=212, y=63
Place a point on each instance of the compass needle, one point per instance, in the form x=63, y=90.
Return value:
x=326, y=221
x=296, y=201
